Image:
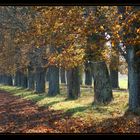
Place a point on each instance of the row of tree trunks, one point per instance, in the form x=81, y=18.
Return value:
x=20, y=79
x=102, y=88
x=88, y=76
x=36, y=80
x=32, y=80
x=6, y=79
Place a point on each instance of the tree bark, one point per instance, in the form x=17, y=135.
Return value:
x=128, y=79
x=9, y=80
x=88, y=76
x=114, y=78
x=53, y=81
x=47, y=75
x=24, y=81
x=40, y=80
x=17, y=81
x=102, y=84
x=63, y=75
x=114, y=69
x=31, y=81
x=81, y=78
x=73, y=83
x=134, y=79
x=1, y=78
x=20, y=79
x=6, y=79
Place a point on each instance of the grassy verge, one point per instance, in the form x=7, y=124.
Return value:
x=81, y=107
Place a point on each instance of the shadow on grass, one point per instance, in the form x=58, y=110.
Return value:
x=72, y=111
x=51, y=103
x=101, y=110
x=14, y=90
x=34, y=97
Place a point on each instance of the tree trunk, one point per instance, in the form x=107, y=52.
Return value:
x=114, y=69
x=40, y=80
x=114, y=78
x=17, y=81
x=47, y=75
x=31, y=81
x=0, y=78
x=128, y=80
x=134, y=79
x=3, y=79
x=9, y=80
x=53, y=81
x=73, y=83
x=24, y=81
x=88, y=76
x=81, y=78
x=102, y=84
x=63, y=75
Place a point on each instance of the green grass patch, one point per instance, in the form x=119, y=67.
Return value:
x=123, y=82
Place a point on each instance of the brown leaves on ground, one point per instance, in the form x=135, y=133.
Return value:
x=127, y=124
x=21, y=116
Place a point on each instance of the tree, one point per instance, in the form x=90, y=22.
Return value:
x=31, y=78
x=40, y=80
x=97, y=51
x=53, y=81
x=24, y=82
x=47, y=74
x=129, y=33
x=73, y=83
x=63, y=75
x=102, y=84
x=114, y=67
x=53, y=77
x=88, y=75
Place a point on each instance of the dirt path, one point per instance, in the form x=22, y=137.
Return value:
x=21, y=116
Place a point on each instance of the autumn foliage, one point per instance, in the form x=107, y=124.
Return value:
x=35, y=39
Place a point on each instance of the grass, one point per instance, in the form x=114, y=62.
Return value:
x=81, y=107
x=123, y=82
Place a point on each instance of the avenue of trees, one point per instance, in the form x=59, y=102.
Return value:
x=57, y=44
